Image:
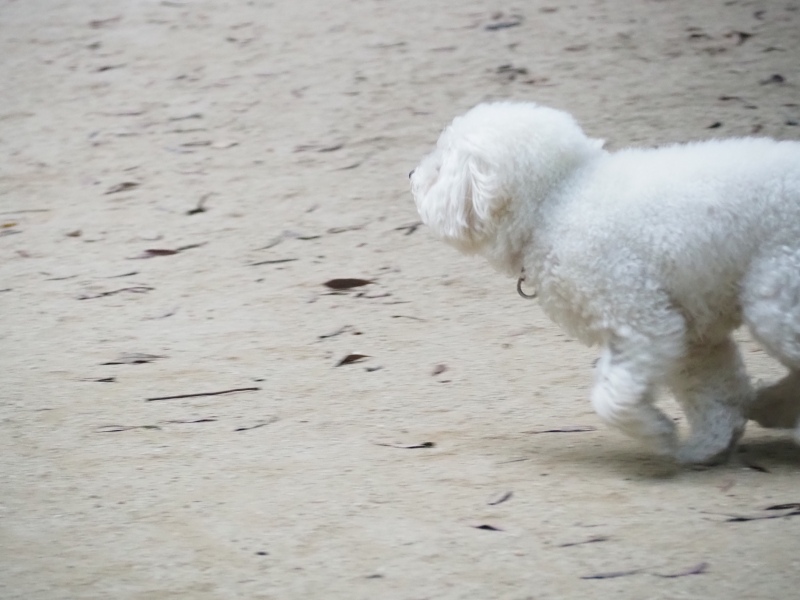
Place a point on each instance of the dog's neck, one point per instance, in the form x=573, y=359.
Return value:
x=506, y=250
x=512, y=246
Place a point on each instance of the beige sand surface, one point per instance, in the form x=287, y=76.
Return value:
x=294, y=125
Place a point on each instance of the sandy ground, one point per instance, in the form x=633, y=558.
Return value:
x=269, y=143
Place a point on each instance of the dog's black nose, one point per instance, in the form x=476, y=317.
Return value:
x=411, y=173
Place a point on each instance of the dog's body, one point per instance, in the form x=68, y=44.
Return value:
x=655, y=255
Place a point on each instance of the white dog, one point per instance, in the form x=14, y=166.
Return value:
x=655, y=255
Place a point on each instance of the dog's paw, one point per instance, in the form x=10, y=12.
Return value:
x=702, y=456
x=709, y=449
x=657, y=432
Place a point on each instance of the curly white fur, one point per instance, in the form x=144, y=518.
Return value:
x=656, y=255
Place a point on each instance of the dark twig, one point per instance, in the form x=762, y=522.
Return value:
x=697, y=569
x=591, y=540
x=613, y=574
x=257, y=425
x=177, y=397
x=745, y=518
x=200, y=207
x=564, y=429
x=499, y=499
x=137, y=289
x=24, y=210
x=273, y=262
x=118, y=428
x=410, y=228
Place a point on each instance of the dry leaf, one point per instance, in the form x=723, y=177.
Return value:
x=486, y=527
x=153, y=252
x=164, y=315
x=406, y=446
x=789, y=506
x=200, y=206
x=500, y=498
x=777, y=78
x=134, y=358
x=351, y=358
x=741, y=36
x=121, y=187
x=348, y=228
x=755, y=467
x=513, y=21
x=98, y=23
x=194, y=115
x=109, y=67
x=346, y=283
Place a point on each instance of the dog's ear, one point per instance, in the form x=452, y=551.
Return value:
x=464, y=200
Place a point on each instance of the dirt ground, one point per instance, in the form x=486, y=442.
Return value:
x=178, y=181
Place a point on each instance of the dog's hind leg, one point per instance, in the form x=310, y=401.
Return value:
x=714, y=391
x=771, y=303
x=623, y=391
x=778, y=405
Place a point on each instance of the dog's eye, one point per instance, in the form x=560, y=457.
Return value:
x=411, y=173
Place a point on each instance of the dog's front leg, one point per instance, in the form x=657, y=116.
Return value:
x=623, y=397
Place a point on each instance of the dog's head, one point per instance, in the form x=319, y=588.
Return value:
x=491, y=163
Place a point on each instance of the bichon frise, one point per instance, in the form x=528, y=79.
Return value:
x=655, y=255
